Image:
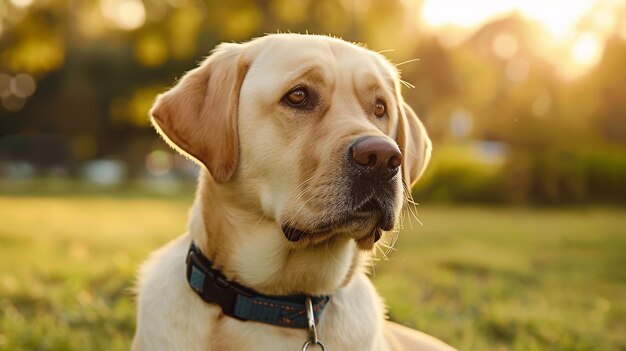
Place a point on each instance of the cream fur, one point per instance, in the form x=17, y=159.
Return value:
x=287, y=172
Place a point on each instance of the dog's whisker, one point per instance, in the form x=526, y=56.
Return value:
x=407, y=84
x=419, y=221
x=409, y=200
x=389, y=242
x=407, y=61
x=412, y=207
x=411, y=153
x=306, y=180
x=299, y=196
x=408, y=193
x=262, y=218
x=382, y=252
x=295, y=216
x=330, y=253
x=301, y=186
x=410, y=204
x=412, y=210
x=394, y=239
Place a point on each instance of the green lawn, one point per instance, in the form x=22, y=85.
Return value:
x=479, y=278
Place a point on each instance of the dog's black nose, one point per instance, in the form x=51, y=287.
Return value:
x=376, y=156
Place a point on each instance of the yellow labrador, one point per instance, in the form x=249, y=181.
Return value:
x=308, y=149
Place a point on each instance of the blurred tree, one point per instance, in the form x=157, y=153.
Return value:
x=606, y=84
x=89, y=71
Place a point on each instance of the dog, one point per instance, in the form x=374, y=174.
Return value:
x=308, y=152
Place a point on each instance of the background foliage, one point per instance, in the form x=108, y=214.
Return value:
x=77, y=79
x=525, y=102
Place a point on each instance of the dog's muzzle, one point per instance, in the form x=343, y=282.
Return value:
x=370, y=168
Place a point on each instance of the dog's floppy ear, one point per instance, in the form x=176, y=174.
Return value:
x=198, y=116
x=414, y=144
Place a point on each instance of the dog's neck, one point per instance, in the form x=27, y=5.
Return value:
x=250, y=248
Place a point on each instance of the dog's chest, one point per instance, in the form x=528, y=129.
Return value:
x=233, y=335
x=172, y=317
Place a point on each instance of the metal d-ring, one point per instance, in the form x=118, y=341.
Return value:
x=309, y=343
x=313, y=340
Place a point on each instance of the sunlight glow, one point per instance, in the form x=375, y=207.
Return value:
x=571, y=34
x=439, y=13
x=586, y=49
x=558, y=17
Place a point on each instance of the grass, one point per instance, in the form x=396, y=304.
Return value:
x=479, y=278
x=511, y=279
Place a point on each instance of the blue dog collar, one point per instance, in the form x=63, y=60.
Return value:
x=246, y=304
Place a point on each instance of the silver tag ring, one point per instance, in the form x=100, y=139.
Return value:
x=311, y=342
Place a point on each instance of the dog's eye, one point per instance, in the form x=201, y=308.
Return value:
x=297, y=97
x=380, y=108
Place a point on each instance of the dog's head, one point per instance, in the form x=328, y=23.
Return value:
x=309, y=130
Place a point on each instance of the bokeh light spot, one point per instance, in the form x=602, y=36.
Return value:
x=290, y=11
x=140, y=103
x=151, y=50
x=22, y=85
x=159, y=162
x=517, y=70
x=461, y=122
x=35, y=54
x=90, y=22
x=542, y=103
x=5, y=85
x=183, y=27
x=13, y=103
x=105, y=172
x=505, y=45
x=242, y=23
x=21, y=3
x=125, y=14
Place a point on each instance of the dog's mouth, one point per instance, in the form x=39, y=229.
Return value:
x=365, y=223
